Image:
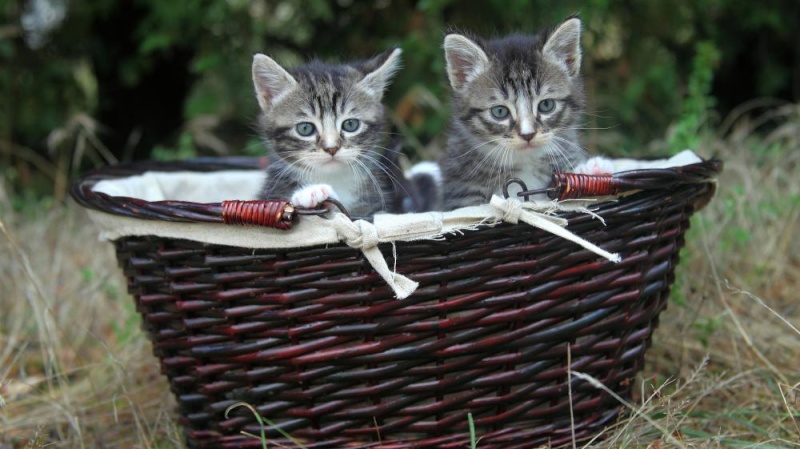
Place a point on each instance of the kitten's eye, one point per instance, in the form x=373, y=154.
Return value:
x=547, y=105
x=500, y=112
x=305, y=129
x=351, y=125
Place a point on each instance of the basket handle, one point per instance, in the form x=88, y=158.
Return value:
x=564, y=186
x=276, y=214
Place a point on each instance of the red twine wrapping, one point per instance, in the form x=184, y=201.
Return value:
x=573, y=185
x=276, y=214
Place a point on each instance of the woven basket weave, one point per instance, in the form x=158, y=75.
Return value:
x=316, y=342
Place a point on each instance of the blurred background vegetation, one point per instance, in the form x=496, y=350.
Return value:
x=89, y=82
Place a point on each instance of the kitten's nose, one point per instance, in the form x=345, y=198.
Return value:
x=528, y=136
x=331, y=150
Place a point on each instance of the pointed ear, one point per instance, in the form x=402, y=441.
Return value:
x=564, y=46
x=379, y=72
x=465, y=60
x=271, y=81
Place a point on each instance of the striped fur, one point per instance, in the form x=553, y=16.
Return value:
x=326, y=96
x=522, y=74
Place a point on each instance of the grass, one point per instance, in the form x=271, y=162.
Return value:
x=76, y=371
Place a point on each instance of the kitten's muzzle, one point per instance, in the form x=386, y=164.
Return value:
x=528, y=136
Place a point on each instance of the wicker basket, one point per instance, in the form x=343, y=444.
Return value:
x=314, y=339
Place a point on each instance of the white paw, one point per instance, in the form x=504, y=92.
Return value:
x=597, y=165
x=426, y=168
x=312, y=196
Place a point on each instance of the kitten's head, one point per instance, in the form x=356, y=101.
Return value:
x=322, y=116
x=520, y=92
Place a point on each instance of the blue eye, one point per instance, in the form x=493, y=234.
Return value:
x=305, y=129
x=547, y=105
x=500, y=112
x=351, y=125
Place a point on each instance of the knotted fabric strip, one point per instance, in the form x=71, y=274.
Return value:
x=513, y=211
x=363, y=235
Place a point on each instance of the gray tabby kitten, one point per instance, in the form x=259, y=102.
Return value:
x=517, y=103
x=323, y=124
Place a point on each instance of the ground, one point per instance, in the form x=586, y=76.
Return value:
x=76, y=371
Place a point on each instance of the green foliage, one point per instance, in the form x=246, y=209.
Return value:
x=473, y=440
x=185, y=149
x=647, y=65
x=126, y=327
x=698, y=100
x=705, y=327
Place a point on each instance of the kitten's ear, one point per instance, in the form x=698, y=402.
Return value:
x=379, y=72
x=564, y=46
x=271, y=81
x=465, y=60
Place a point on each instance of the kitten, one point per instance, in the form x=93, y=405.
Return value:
x=323, y=124
x=517, y=103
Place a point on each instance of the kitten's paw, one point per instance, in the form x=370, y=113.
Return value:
x=426, y=168
x=312, y=196
x=597, y=165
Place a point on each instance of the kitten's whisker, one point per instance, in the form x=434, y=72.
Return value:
x=373, y=179
x=477, y=147
x=558, y=155
x=572, y=144
x=510, y=157
x=380, y=166
x=594, y=114
x=568, y=164
x=384, y=157
x=285, y=170
x=357, y=178
x=387, y=172
x=496, y=162
x=389, y=149
x=496, y=165
x=508, y=154
x=590, y=129
x=480, y=165
x=389, y=133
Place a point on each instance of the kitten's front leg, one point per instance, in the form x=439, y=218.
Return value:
x=313, y=195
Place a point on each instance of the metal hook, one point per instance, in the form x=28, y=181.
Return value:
x=525, y=193
x=322, y=209
x=339, y=205
x=517, y=181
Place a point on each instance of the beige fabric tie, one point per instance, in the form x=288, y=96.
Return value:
x=363, y=235
x=513, y=211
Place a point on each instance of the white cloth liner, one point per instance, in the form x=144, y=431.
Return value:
x=314, y=231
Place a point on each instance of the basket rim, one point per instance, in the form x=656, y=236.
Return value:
x=82, y=191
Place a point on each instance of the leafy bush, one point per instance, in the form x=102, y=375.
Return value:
x=154, y=74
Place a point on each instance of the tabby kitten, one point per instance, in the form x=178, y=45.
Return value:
x=517, y=103
x=323, y=124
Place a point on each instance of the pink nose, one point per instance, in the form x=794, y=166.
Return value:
x=330, y=150
x=528, y=136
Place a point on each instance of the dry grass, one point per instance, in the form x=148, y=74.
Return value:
x=75, y=370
